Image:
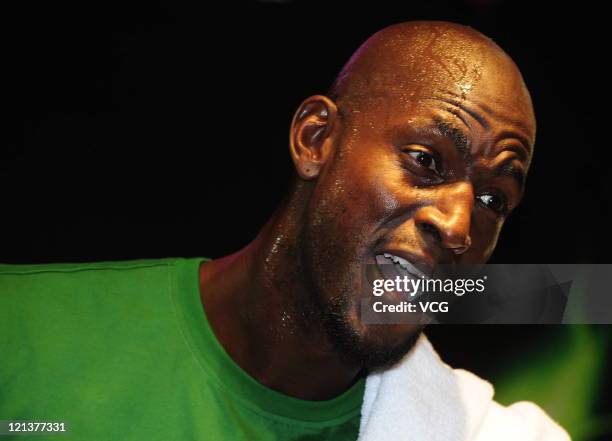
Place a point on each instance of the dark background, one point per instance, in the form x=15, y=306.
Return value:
x=154, y=129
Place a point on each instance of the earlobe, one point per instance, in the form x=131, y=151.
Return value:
x=310, y=138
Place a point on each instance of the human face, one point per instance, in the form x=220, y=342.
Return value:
x=430, y=178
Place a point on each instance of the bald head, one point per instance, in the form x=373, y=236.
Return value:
x=415, y=60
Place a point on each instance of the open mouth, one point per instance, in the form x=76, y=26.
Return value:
x=392, y=266
x=408, y=277
x=395, y=284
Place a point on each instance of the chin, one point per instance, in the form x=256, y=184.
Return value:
x=387, y=344
x=372, y=347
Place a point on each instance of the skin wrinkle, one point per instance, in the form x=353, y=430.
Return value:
x=286, y=308
x=524, y=152
x=488, y=110
x=461, y=106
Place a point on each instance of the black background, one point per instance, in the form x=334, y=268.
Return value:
x=146, y=129
x=143, y=129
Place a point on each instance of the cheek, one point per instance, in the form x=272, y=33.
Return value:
x=361, y=195
x=485, y=234
x=380, y=183
x=335, y=220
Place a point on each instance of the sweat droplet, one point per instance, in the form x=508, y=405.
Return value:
x=464, y=88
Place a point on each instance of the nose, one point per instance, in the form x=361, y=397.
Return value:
x=447, y=218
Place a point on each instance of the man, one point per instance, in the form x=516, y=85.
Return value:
x=419, y=152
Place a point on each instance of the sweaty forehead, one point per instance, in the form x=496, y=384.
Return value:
x=413, y=57
x=412, y=61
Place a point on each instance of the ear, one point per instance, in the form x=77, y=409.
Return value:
x=310, y=140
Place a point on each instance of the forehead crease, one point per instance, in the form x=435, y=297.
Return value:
x=458, y=130
x=482, y=113
x=511, y=115
x=456, y=106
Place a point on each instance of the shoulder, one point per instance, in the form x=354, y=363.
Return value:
x=65, y=286
x=71, y=268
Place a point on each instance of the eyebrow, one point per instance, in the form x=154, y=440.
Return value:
x=512, y=171
x=462, y=144
x=459, y=139
x=526, y=148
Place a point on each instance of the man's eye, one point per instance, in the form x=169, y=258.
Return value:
x=425, y=159
x=493, y=201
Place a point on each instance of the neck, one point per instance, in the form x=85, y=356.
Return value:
x=262, y=314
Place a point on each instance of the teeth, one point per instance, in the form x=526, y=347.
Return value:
x=405, y=264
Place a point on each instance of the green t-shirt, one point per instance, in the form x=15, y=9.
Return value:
x=123, y=351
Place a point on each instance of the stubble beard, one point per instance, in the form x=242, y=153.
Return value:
x=339, y=312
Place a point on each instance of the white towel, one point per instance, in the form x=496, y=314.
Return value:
x=423, y=399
